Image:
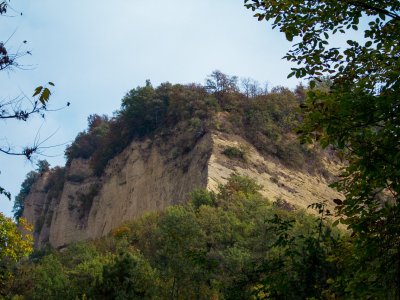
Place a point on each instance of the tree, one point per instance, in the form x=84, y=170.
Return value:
x=251, y=87
x=358, y=114
x=130, y=276
x=19, y=202
x=49, y=280
x=221, y=83
x=14, y=245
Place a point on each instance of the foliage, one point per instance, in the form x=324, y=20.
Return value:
x=220, y=83
x=144, y=112
x=358, y=115
x=86, y=143
x=234, y=152
x=14, y=245
x=232, y=244
x=55, y=182
x=42, y=166
x=49, y=279
x=312, y=22
x=201, y=197
x=268, y=122
x=19, y=202
x=130, y=276
x=186, y=112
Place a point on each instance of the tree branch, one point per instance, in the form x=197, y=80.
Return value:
x=376, y=9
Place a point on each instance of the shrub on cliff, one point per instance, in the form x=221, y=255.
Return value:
x=87, y=142
x=30, y=179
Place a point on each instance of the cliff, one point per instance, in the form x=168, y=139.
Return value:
x=165, y=142
x=149, y=176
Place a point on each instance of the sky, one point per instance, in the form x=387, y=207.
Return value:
x=96, y=51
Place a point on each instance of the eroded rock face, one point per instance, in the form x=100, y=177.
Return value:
x=148, y=176
x=143, y=178
x=279, y=183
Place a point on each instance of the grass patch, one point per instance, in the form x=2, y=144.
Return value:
x=235, y=153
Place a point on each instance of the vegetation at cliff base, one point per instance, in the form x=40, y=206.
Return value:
x=232, y=244
x=229, y=244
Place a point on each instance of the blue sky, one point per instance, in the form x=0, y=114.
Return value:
x=96, y=51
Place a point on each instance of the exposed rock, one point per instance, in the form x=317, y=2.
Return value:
x=149, y=176
x=279, y=182
x=142, y=178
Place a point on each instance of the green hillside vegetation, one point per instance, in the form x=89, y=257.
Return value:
x=267, y=120
x=233, y=244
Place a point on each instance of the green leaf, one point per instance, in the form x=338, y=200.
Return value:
x=44, y=97
x=291, y=74
x=37, y=91
x=5, y=193
x=289, y=36
x=312, y=84
x=50, y=83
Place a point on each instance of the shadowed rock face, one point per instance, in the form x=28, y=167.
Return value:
x=144, y=177
x=149, y=176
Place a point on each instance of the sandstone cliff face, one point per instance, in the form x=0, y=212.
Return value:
x=142, y=178
x=297, y=188
x=148, y=176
